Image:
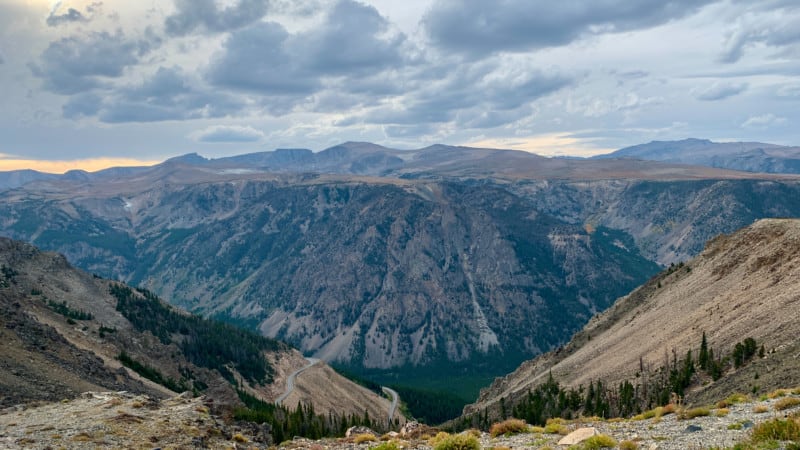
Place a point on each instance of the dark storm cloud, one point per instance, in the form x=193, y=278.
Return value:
x=72, y=15
x=167, y=95
x=353, y=42
x=350, y=39
x=205, y=14
x=75, y=64
x=479, y=27
x=256, y=59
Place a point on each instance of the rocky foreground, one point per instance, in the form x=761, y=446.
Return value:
x=123, y=420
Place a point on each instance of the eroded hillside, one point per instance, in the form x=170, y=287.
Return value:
x=742, y=285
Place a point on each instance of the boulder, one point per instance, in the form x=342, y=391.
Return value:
x=578, y=436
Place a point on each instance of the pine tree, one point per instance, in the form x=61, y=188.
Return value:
x=702, y=358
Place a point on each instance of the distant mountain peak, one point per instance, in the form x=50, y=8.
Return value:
x=189, y=158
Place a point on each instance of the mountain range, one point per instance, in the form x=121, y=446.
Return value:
x=402, y=265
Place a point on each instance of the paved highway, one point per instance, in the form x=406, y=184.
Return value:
x=290, y=380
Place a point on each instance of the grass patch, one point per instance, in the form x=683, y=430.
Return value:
x=694, y=412
x=628, y=445
x=390, y=445
x=556, y=428
x=599, y=441
x=457, y=442
x=786, y=403
x=777, y=429
x=508, y=427
x=778, y=393
x=722, y=412
x=364, y=437
x=760, y=409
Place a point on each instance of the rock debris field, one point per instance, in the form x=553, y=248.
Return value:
x=123, y=420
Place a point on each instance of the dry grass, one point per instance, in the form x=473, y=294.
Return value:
x=722, y=412
x=760, y=409
x=364, y=437
x=458, y=442
x=599, y=441
x=732, y=400
x=786, y=403
x=694, y=412
x=628, y=445
x=239, y=437
x=508, y=427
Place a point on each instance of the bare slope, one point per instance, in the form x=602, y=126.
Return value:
x=52, y=355
x=743, y=285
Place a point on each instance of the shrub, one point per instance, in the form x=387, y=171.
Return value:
x=599, y=441
x=536, y=429
x=239, y=437
x=556, y=428
x=694, y=412
x=760, y=409
x=510, y=426
x=786, y=403
x=364, y=437
x=390, y=445
x=458, y=442
x=777, y=429
x=722, y=412
x=778, y=393
x=440, y=436
x=628, y=445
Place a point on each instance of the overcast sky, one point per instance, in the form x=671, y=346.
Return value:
x=110, y=81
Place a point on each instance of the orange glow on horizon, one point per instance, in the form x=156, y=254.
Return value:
x=545, y=145
x=89, y=165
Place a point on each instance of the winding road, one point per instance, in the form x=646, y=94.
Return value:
x=395, y=399
x=311, y=361
x=292, y=376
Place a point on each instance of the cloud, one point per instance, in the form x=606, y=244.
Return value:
x=353, y=37
x=763, y=121
x=207, y=15
x=478, y=27
x=480, y=95
x=2, y=58
x=168, y=94
x=773, y=26
x=257, y=59
x=350, y=50
x=227, y=133
x=719, y=91
x=71, y=16
x=77, y=64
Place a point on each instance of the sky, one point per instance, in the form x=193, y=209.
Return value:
x=90, y=84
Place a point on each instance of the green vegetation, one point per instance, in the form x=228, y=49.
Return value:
x=302, y=421
x=205, y=343
x=777, y=429
x=8, y=276
x=389, y=445
x=151, y=373
x=653, y=392
x=694, y=412
x=456, y=442
x=63, y=309
x=598, y=441
x=430, y=407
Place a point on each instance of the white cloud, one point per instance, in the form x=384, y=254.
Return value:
x=763, y=121
x=719, y=91
x=227, y=133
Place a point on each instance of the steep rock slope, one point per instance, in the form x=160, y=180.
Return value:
x=741, y=285
x=63, y=332
x=376, y=274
